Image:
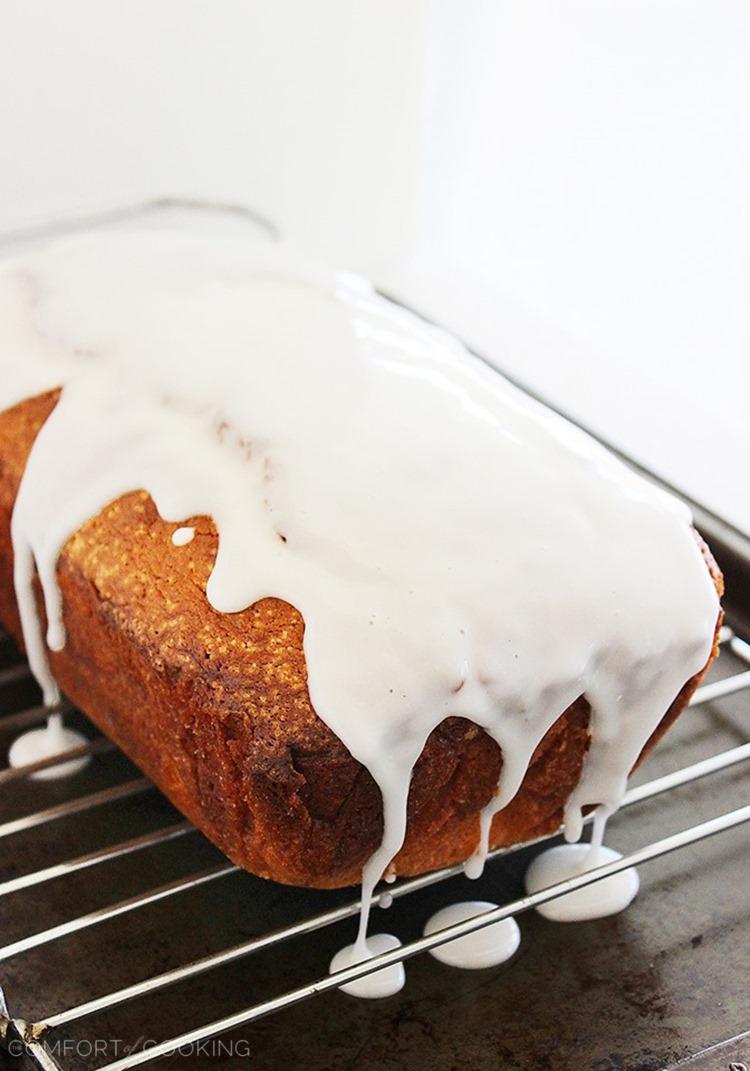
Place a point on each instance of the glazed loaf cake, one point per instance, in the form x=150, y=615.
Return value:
x=215, y=706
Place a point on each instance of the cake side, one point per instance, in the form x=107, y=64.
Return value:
x=215, y=709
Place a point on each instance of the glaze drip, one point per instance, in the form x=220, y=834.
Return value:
x=472, y=553
x=182, y=536
x=488, y=947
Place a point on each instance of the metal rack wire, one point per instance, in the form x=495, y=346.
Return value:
x=34, y=1035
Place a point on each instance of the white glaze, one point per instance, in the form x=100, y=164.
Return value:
x=182, y=536
x=383, y=983
x=471, y=553
x=53, y=739
x=488, y=947
x=596, y=901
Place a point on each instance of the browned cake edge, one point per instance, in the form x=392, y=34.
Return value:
x=214, y=707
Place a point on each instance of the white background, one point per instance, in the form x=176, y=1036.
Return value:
x=566, y=183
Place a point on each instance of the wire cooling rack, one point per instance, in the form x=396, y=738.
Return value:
x=37, y=1037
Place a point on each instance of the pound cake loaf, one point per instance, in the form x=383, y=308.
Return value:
x=334, y=635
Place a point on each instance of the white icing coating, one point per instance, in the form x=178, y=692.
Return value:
x=182, y=536
x=383, y=983
x=596, y=901
x=53, y=739
x=471, y=553
x=485, y=948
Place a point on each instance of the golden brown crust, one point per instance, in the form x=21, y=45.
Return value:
x=214, y=707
